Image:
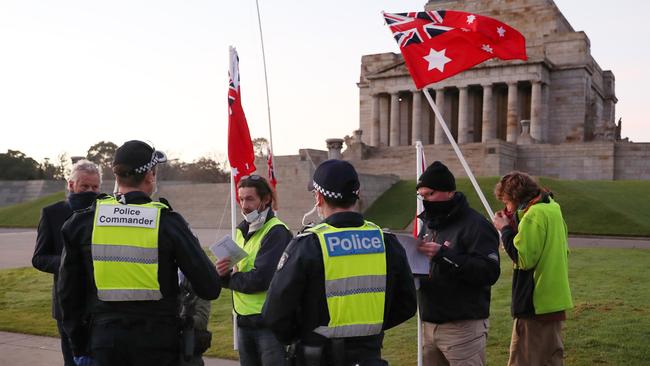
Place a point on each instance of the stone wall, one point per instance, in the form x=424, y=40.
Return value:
x=588, y=161
x=12, y=192
x=632, y=160
x=208, y=205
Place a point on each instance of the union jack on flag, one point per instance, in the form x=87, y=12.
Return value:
x=408, y=30
x=443, y=43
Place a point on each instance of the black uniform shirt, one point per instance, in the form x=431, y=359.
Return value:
x=177, y=248
x=296, y=302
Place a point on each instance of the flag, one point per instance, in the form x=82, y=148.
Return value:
x=240, y=146
x=271, y=170
x=440, y=44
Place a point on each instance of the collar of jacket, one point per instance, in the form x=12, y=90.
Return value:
x=345, y=219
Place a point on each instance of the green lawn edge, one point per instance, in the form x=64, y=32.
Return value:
x=27, y=214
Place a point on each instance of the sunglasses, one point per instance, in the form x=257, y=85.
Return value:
x=251, y=177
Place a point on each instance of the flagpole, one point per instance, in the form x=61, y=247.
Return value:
x=233, y=218
x=266, y=82
x=443, y=124
x=418, y=223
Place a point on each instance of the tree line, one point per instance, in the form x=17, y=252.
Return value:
x=15, y=165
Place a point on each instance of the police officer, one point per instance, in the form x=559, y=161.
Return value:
x=341, y=283
x=264, y=237
x=118, y=283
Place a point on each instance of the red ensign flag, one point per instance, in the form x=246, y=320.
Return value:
x=240, y=146
x=443, y=43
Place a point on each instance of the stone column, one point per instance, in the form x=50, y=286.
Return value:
x=463, y=115
x=334, y=147
x=512, y=131
x=376, y=126
x=416, y=132
x=383, y=120
x=536, y=128
x=439, y=135
x=489, y=126
x=394, y=119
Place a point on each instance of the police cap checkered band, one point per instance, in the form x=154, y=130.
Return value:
x=138, y=156
x=336, y=180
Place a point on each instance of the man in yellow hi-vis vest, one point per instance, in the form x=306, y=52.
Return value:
x=264, y=237
x=341, y=283
x=118, y=282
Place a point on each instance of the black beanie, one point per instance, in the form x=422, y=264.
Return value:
x=437, y=177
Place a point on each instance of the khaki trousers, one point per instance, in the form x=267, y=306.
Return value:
x=536, y=343
x=456, y=343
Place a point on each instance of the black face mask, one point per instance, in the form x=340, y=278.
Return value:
x=439, y=208
x=81, y=200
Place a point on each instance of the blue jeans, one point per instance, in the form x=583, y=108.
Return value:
x=259, y=347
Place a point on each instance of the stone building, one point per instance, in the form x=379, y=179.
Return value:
x=525, y=114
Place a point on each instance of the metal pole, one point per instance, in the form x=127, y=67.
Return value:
x=266, y=82
x=233, y=217
x=443, y=124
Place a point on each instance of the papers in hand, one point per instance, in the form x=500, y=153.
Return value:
x=226, y=247
x=418, y=262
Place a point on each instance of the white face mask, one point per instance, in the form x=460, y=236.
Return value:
x=251, y=216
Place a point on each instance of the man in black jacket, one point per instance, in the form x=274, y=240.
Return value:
x=337, y=316
x=119, y=270
x=83, y=187
x=464, y=251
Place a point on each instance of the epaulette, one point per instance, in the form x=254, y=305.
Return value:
x=164, y=201
x=304, y=233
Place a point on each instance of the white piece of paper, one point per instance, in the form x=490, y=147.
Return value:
x=226, y=247
x=418, y=262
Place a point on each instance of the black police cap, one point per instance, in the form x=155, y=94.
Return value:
x=336, y=180
x=138, y=156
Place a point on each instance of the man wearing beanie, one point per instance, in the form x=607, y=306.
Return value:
x=341, y=283
x=464, y=251
x=118, y=283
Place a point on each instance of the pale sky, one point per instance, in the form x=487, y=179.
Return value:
x=73, y=73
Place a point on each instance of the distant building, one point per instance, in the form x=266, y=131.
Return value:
x=551, y=115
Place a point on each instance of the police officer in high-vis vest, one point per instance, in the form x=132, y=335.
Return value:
x=341, y=283
x=118, y=282
x=264, y=237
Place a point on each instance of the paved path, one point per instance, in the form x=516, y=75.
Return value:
x=17, y=245
x=28, y=350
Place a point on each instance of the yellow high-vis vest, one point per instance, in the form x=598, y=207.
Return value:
x=251, y=304
x=354, y=259
x=125, y=250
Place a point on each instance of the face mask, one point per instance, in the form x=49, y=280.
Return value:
x=251, y=216
x=439, y=208
x=305, y=216
x=81, y=200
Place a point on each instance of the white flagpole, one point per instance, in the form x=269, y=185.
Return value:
x=443, y=124
x=266, y=82
x=233, y=218
x=418, y=222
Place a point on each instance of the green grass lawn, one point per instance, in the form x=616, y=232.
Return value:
x=610, y=324
x=618, y=208
x=27, y=214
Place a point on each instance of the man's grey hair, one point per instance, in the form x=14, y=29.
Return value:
x=87, y=167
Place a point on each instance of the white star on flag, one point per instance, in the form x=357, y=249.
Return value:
x=470, y=18
x=501, y=31
x=437, y=60
x=487, y=48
